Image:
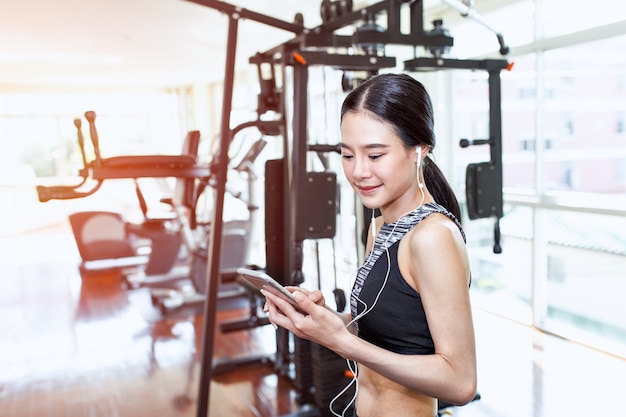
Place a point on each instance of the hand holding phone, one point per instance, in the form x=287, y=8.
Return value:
x=262, y=281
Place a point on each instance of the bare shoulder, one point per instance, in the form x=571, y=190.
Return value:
x=436, y=231
x=436, y=250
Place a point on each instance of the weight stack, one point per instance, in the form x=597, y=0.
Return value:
x=304, y=370
x=329, y=379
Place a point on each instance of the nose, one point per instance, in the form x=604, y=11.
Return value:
x=361, y=168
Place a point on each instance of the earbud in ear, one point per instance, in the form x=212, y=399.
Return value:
x=418, y=150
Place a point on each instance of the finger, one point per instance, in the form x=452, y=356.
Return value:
x=307, y=302
x=276, y=316
x=281, y=305
x=317, y=297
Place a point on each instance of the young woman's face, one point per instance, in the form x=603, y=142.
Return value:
x=377, y=164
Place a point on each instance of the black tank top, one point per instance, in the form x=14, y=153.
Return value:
x=397, y=322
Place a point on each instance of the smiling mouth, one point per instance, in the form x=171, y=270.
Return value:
x=367, y=189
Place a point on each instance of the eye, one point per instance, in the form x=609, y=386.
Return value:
x=346, y=156
x=374, y=157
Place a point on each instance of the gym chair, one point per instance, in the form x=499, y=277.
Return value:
x=107, y=238
x=103, y=241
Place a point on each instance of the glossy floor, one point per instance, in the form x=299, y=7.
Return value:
x=88, y=347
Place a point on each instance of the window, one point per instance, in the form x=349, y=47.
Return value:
x=41, y=127
x=563, y=252
x=586, y=264
x=580, y=16
x=587, y=139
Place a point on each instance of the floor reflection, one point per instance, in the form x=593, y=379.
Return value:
x=85, y=346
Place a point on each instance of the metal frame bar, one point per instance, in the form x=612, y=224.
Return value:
x=215, y=244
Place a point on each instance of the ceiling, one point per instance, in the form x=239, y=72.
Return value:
x=140, y=43
x=131, y=42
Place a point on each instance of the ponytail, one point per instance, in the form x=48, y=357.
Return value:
x=440, y=188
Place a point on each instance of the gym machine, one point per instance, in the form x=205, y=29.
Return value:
x=364, y=51
x=104, y=239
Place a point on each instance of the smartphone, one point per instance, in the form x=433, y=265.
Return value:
x=265, y=282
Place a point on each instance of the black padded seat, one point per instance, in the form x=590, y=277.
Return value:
x=101, y=235
x=149, y=161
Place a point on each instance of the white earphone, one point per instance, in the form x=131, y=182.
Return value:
x=373, y=225
x=418, y=149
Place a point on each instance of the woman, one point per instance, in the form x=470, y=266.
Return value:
x=410, y=328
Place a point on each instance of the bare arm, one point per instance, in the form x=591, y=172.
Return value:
x=434, y=261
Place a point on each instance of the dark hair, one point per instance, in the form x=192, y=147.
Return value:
x=403, y=103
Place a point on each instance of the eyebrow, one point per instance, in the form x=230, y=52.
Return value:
x=368, y=146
